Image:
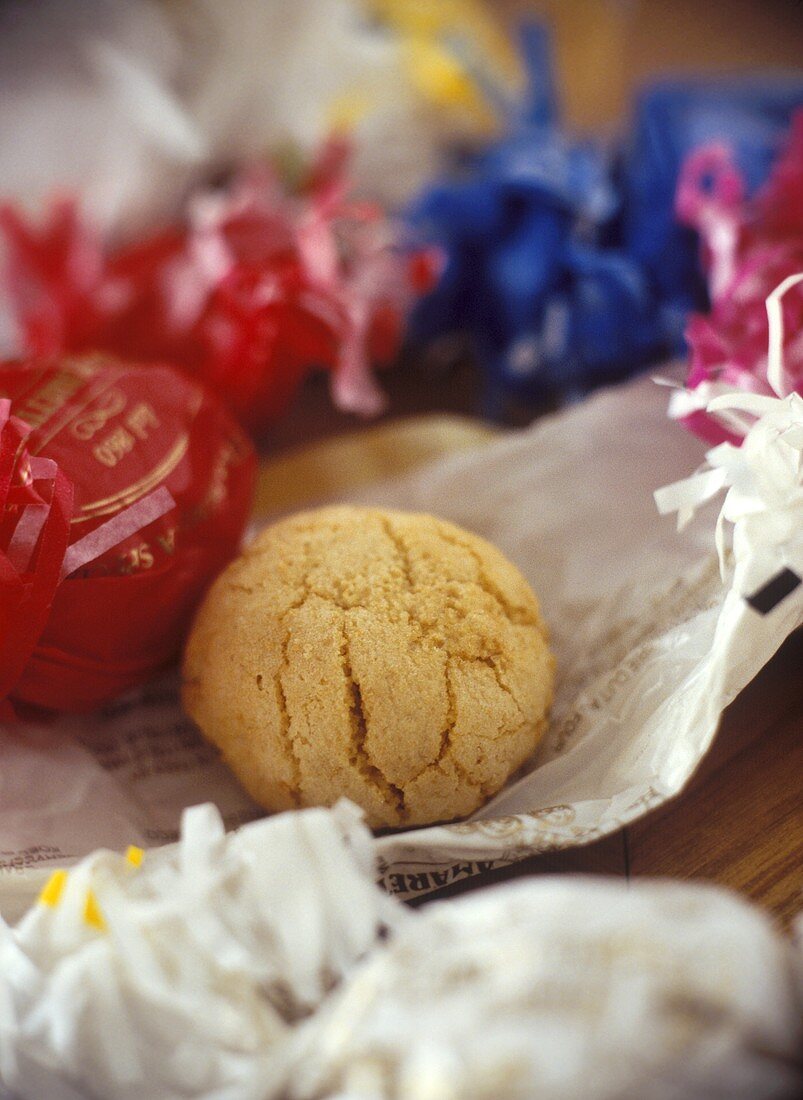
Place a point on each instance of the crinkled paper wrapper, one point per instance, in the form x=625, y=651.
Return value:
x=651, y=646
x=561, y=988
x=267, y=965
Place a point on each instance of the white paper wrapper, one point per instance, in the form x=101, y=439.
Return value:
x=651, y=646
x=250, y=966
x=264, y=72
x=130, y=105
x=182, y=977
x=561, y=989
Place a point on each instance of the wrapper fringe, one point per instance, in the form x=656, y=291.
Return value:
x=749, y=248
x=35, y=511
x=762, y=472
x=250, y=966
x=184, y=975
x=36, y=505
x=134, y=105
x=255, y=289
x=564, y=263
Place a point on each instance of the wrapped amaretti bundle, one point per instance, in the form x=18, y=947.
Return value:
x=124, y=490
x=562, y=987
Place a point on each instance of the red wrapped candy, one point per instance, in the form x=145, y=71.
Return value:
x=123, y=491
x=253, y=289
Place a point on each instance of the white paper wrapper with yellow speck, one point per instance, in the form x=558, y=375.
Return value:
x=561, y=989
x=249, y=966
x=651, y=646
x=181, y=973
x=134, y=104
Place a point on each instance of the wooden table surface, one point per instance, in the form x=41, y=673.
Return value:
x=739, y=823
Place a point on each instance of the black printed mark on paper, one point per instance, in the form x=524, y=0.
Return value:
x=778, y=588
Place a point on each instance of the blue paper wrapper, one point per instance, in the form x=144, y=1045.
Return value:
x=749, y=115
x=562, y=258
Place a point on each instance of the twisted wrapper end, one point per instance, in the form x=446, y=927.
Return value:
x=36, y=506
x=763, y=475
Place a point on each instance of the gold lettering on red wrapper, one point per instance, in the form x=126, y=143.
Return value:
x=167, y=541
x=139, y=488
x=138, y=557
x=39, y=406
x=114, y=446
x=141, y=420
x=89, y=423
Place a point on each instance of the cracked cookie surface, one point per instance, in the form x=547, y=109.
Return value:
x=389, y=657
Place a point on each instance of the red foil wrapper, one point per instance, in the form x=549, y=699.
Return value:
x=124, y=490
x=254, y=288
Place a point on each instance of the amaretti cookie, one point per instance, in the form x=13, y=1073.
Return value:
x=391, y=658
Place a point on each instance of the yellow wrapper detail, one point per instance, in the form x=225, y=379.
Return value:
x=438, y=76
x=347, y=111
x=53, y=889
x=447, y=44
x=92, y=914
x=134, y=855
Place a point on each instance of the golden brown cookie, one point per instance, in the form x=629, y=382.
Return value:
x=389, y=657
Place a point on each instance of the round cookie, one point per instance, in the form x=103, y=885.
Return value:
x=388, y=657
